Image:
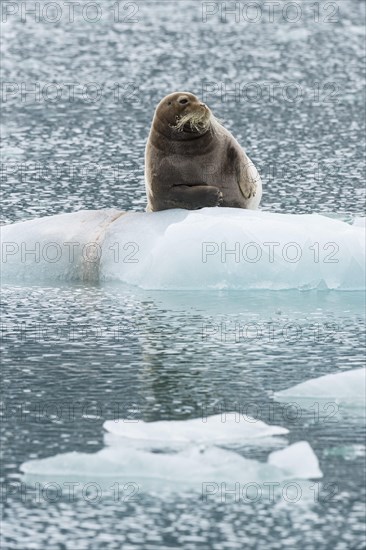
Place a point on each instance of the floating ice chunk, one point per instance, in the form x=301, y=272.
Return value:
x=348, y=452
x=217, y=429
x=212, y=248
x=191, y=467
x=347, y=387
x=298, y=460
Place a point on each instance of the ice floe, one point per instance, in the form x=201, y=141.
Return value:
x=348, y=388
x=190, y=467
x=212, y=248
x=217, y=429
x=196, y=460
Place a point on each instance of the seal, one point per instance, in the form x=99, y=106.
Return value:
x=192, y=161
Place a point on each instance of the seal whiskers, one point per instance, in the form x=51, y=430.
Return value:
x=199, y=122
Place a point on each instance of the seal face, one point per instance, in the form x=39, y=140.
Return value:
x=192, y=161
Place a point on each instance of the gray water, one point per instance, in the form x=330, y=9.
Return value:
x=74, y=356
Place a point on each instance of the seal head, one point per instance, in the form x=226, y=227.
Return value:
x=181, y=117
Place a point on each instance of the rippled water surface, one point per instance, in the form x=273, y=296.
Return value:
x=299, y=112
x=74, y=356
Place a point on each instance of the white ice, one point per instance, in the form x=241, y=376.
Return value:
x=348, y=388
x=188, y=468
x=57, y=242
x=212, y=248
x=298, y=460
x=225, y=428
x=196, y=461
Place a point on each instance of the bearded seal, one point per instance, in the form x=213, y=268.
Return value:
x=192, y=161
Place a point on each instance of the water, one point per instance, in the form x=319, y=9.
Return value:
x=73, y=153
x=75, y=356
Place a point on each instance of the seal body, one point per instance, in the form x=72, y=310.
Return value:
x=192, y=161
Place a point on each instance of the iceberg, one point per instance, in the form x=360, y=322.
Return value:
x=212, y=248
x=347, y=388
x=189, y=468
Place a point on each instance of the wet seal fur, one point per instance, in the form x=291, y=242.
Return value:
x=192, y=161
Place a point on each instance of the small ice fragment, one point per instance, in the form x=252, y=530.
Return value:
x=297, y=460
x=230, y=427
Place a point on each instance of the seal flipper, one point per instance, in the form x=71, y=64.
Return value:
x=190, y=197
x=248, y=177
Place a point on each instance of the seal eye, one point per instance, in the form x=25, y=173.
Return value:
x=183, y=101
x=169, y=102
